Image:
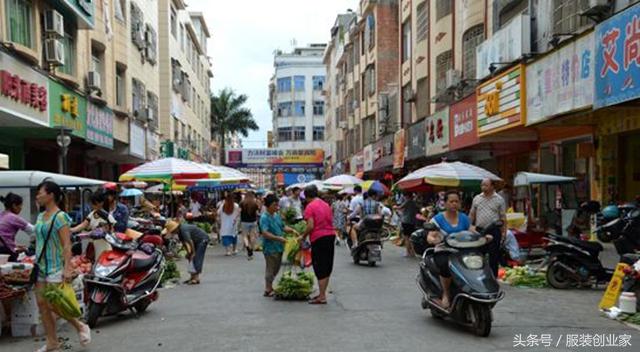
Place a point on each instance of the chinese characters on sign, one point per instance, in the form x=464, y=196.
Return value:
x=463, y=130
x=571, y=340
x=68, y=109
x=617, y=58
x=398, y=149
x=99, y=126
x=416, y=140
x=501, y=102
x=270, y=157
x=561, y=81
x=368, y=157
x=20, y=90
x=438, y=132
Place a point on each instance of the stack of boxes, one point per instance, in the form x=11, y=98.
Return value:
x=25, y=317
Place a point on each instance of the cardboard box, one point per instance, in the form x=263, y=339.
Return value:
x=26, y=330
x=24, y=310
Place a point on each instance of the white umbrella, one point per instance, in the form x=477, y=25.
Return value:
x=446, y=174
x=342, y=181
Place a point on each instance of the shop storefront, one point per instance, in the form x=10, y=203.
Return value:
x=382, y=157
x=617, y=68
x=416, y=146
x=437, y=139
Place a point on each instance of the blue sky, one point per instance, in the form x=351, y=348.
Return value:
x=244, y=35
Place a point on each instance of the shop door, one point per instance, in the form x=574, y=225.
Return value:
x=631, y=171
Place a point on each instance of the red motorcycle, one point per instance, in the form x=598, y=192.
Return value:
x=124, y=278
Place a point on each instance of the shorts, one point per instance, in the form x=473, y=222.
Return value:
x=273, y=262
x=408, y=229
x=322, y=253
x=53, y=278
x=248, y=227
x=229, y=241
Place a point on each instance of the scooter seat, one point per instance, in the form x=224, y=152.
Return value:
x=593, y=247
x=142, y=261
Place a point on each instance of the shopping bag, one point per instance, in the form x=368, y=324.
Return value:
x=63, y=300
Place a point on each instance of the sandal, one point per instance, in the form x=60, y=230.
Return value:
x=317, y=301
x=45, y=348
x=85, y=336
x=192, y=282
x=268, y=293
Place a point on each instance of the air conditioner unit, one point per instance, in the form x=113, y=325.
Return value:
x=453, y=79
x=599, y=4
x=54, y=23
x=149, y=113
x=93, y=80
x=54, y=52
x=342, y=124
x=598, y=10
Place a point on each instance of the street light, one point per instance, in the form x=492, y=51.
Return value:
x=63, y=140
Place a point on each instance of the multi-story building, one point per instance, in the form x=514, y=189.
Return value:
x=185, y=91
x=296, y=98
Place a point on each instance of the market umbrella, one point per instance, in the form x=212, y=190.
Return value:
x=131, y=192
x=342, y=181
x=446, y=174
x=377, y=186
x=226, y=173
x=168, y=169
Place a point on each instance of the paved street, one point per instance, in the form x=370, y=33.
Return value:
x=371, y=309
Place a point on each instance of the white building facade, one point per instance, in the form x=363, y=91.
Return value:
x=297, y=100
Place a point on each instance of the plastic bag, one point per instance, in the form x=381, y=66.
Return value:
x=63, y=300
x=291, y=248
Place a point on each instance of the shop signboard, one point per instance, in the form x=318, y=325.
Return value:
x=99, y=125
x=368, y=157
x=398, y=149
x=67, y=108
x=416, y=140
x=83, y=10
x=24, y=92
x=562, y=81
x=383, y=152
x=137, y=140
x=501, y=102
x=290, y=179
x=506, y=45
x=270, y=157
x=438, y=132
x=617, y=61
x=463, y=125
x=359, y=162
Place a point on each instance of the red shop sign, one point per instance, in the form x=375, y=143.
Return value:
x=463, y=127
x=30, y=94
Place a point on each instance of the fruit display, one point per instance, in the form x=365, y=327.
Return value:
x=81, y=264
x=16, y=272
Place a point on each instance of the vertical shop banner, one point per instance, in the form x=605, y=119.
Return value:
x=359, y=162
x=137, y=141
x=24, y=92
x=368, y=157
x=501, y=102
x=561, y=81
x=617, y=50
x=438, y=132
x=99, y=125
x=383, y=152
x=463, y=128
x=398, y=149
x=416, y=140
x=67, y=108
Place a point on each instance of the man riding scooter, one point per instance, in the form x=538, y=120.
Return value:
x=369, y=206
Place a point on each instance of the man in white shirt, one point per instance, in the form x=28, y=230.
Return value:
x=295, y=202
x=356, y=202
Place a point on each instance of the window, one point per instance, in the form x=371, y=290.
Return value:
x=174, y=23
x=510, y=10
x=151, y=44
x=284, y=109
x=318, y=108
x=443, y=8
x=182, y=37
x=69, y=43
x=120, y=6
x=97, y=62
x=422, y=22
x=369, y=130
x=137, y=27
x=470, y=41
x=284, y=134
x=137, y=97
x=298, y=133
x=363, y=84
x=406, y=41
x=422, y=101
x=318, y=83
x=120, y=86
x=284, y=85
x=444, y=63
x=407, y=95
x=370, y=32
x=298, y=108
x=566, y=15
x=371, y=80
x=298, y=83
x=152, y=102
x=20, y=21
x=318, y=133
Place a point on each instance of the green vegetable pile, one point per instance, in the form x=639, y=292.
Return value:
x=204, y=226
x=63, y=300
x=171, y=272
x=300, y=227
x=633, y=318
x=295, y=286
x=523, y=276
x=289, y=215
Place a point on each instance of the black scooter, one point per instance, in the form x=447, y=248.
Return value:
x=369, y=248
x=474, y=289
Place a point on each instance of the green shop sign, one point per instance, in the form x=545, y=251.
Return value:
x=67, y=108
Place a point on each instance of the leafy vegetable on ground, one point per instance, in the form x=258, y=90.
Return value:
x=295, y=286
x=523, y=276
x=171, y=272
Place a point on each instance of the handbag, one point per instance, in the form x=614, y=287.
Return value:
x=36, y=265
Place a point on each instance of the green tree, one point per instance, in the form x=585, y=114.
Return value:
x=230, y=116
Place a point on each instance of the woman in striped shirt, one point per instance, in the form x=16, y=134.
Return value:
x=54, y=259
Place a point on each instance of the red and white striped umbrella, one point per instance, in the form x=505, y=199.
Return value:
x=168, y=169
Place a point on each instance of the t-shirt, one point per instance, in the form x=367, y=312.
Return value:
x=95, y=221
x=10, y=224
x=189, y=232
x=322, y=217
x=488, y=209
x=297, y=205
x=195, y=208
x=52, y=261
x=409, y=212
x=284, y=202
x=228, y=222
x=274, y=225
x=249, y=212
x=463, y=223
x=356, y=203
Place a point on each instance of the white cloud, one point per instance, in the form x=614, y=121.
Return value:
x=244, y=34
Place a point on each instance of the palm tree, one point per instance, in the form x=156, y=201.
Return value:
x=229, y=116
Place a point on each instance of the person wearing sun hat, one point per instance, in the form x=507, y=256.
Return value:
x=195, y=241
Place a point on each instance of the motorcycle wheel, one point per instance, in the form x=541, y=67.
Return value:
x=481, y=319
x=371, y=263
x=94, y=311
x=557, y=278
x=603, y=236
x=142, y=305
x=356, y=260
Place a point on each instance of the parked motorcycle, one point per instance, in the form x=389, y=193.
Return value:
x=370, y=237
x=474, y=289
x=126, y=277
x=623, y=231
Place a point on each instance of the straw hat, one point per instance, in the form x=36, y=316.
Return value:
x=170, y=227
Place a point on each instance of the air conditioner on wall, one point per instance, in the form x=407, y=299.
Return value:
x=93, y=80
x=54, y=23
x=342, y=124
x=452, y=79
x=54, y=52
